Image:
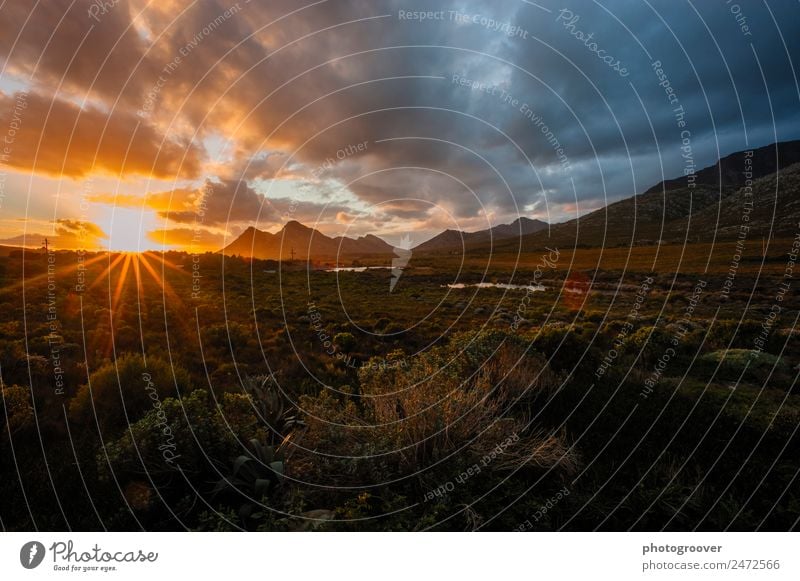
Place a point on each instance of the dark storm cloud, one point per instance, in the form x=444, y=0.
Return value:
x=486, y=108
x=715, y=74
x=223, y=202
x=59, y=44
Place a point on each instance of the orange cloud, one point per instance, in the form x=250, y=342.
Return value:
x=189, y=239
x=61, y=44
x=79, y=234
x=345, y=218
x=57, y=137
x=177, y=200
x=63, y=235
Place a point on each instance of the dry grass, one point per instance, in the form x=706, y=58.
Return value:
x=665, y=259
x=475, y=404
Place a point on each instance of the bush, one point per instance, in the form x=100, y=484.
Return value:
x=743, y=363
x=464, y=398
x=193, y=435
x=121, y=392
x=345, y=341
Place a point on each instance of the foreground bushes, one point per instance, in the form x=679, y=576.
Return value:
x=465, y=407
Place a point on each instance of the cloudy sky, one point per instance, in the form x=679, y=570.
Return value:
x=136, y=125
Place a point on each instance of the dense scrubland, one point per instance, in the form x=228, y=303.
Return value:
x=644, y=388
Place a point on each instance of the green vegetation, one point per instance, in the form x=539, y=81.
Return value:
x=149, y=405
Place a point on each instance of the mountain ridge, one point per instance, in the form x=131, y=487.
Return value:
x=456, y=239
x=670, y=211
x=296, y=240
x=727, y=171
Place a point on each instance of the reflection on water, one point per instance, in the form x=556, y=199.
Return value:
x=533, y=288
x=356, y=268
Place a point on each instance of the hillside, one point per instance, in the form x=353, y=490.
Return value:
x=7, y=250
x=729, y=170
x=455, y=240
x=669, y=212
x=775, y=210
x=682, y=214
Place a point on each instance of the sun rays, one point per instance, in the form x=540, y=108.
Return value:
x=126, y=282
x=122, y=265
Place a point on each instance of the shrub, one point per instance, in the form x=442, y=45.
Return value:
x=122, y=391
x=464, y=398
x=743, y=363
x=345, y=341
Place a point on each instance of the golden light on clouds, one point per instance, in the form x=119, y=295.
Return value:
x=59, y=138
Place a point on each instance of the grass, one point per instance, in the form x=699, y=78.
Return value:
x=696, y=258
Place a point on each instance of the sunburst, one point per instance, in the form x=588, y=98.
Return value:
x=127, y=268
x=125, y=264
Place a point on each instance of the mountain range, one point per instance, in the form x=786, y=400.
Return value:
x=456, y=241
x=672, y=211
x=298, y=241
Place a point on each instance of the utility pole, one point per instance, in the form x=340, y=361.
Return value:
x=291, y=252
x=46, y=246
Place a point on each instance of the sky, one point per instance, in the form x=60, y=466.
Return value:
x=163, y=125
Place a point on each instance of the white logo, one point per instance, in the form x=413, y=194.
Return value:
x=402, y=256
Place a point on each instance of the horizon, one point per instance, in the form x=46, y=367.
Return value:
x=454, y=141
x=386, y=237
